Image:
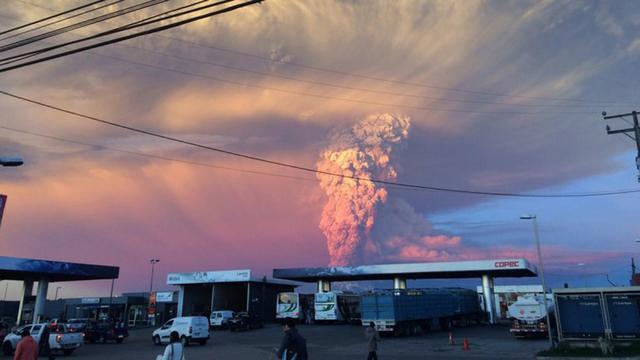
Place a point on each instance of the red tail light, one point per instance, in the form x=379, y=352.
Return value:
x=58, y=338
x=190, y=329
x=112, y=331
x=84, y=335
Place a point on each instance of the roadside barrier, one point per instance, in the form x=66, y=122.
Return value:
x=465, y=344
x=450, y=338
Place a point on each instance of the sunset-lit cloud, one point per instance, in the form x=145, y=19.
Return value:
x=485, y=84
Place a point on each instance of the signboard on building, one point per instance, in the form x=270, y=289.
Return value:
x=152, y=306
x=209, y=277
x=164, y=297
x=90, y=301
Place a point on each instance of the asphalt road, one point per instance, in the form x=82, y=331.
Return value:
x=335, y=342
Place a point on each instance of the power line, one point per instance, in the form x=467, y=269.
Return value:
x=158, y=157
x=50, y=17
x=142, y=33
x=61, y=20
x=289, y=63
x=72, y=27
x=315, y=171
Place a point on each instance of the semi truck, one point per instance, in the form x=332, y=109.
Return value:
x=529, y=316
x=408, y=312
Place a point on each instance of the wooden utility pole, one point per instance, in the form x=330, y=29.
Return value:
x=635, y=129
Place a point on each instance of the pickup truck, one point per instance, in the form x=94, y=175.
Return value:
x=102, y=331
x=59, y=339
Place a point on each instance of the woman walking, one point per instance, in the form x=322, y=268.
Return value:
x=173, y=351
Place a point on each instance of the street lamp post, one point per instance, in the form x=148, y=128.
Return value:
x=544, y=284
x=584, y=272
x=153, y=264
x=56, y=297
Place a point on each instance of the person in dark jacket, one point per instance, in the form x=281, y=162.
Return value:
x=43, y=345
x=293, y=345
x=372, y=337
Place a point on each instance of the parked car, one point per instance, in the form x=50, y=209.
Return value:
x=218, y=319
x=77, y=324
x=103, y=331
x=60, y=339
x=245, y=321
x=188, y=328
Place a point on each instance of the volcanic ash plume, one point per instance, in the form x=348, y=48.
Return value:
x=364, y=152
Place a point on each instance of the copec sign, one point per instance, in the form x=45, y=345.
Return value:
x=507, y=264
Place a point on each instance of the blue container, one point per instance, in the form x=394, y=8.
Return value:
x=580, y=316
x=624, y=315
x=406, y=305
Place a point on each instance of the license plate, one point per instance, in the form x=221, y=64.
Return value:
x=120, y=336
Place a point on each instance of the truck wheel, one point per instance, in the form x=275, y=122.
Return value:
x=156, y=340
x=68, y=351
x=184, y=341
x=119, y=341
x=7, y=349
x=102, y=339
x=202, y=342
x=445, y=324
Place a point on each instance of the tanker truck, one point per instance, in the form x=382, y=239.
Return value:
x=529, y=316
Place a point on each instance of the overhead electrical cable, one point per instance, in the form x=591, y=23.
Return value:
x=315, y=171
x=50, y=17
x=78, y=25
x=132, y=36
x=61, y=20
x=159, y=157
x=322, y=83
x=289, y=63
x=328, y=97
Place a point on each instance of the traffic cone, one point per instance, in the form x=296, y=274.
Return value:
x=450, y=338
x=465, y=344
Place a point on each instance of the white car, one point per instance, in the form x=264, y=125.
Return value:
x=219, y=319
x=189, y=328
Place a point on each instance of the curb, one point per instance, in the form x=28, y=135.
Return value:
x=585, y=358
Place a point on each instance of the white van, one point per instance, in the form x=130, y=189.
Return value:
x=189, y=328
x=219, y=319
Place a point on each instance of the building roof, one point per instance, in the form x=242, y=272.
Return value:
x=435, y=270
x=34, y=269
x=226, y=276
x=597, y=290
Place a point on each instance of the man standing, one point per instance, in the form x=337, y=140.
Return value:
x=27, y=348
x=372, y=337
x=293, y=346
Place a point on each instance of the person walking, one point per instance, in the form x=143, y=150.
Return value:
x=293, y=345
x=27, y=348
x=43, y=345
x=372, y=337
x=173, y=351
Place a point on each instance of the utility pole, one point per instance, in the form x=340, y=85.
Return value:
x=635, y=129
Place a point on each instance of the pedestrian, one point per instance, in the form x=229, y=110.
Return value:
x=372, y=337
x=27, y=348
x=173, y=351
x=308, y=319
x=43, y=345
x=293, y=345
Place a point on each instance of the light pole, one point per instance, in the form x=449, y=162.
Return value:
x=153, y=264
x=57, y=288
x=584, y=268
x=544, y=284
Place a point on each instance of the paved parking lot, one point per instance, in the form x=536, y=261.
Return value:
x=335, y=342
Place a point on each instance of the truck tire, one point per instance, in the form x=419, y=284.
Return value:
x=68, y=351
x=184, y=341
x=102, y=339
x=202, y=342
x=119, y=341
x=7, y=349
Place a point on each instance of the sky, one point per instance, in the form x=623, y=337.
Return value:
x=482, y=96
